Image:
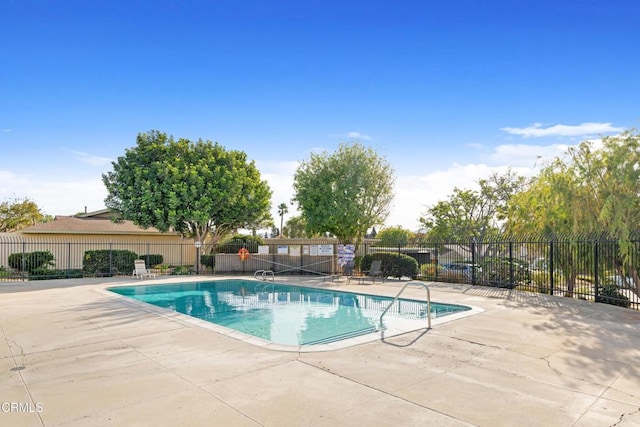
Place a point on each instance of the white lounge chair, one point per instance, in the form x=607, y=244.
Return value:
x=141, y=271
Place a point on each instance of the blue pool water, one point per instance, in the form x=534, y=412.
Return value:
x=282, y=314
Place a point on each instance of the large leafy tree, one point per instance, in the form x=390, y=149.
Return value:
x=344, y=193
x=296, y=228
x=17, y=214
x=594, y=189
x=546, y=208
x=196, y=188
x=473, y=213
x=393, y=236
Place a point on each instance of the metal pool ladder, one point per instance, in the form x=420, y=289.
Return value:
x=264, y=274
x=412, y=282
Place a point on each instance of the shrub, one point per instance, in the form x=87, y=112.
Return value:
x=151, y=260
x=453, y=276
x=208, y=260
x=233, y=244
x=4, y=272
x=108, y=262
x=393, y=264
x=30, y=261
x=429, y=270
x=609, y=294
x=541, y=280
x=497, y=270
x=181, y=270
x=48, y=274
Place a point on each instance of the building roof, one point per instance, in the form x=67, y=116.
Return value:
x=88, y=224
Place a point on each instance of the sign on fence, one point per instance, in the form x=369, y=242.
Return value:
x=346, y=253
x=325, y=250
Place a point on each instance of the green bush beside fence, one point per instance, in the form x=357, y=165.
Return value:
x=151, y=260
x=30, y=261
x=208, y=260
x=107, y=262
x=392, y=264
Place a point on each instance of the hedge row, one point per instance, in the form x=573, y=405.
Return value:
x=392, y=264
x=108, y=262
x=30, y=261
x=151, y=260
x=105, y=262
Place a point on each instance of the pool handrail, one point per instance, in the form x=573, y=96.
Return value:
x=412, y=282
x=264, y=274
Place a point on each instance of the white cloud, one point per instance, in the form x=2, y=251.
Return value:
x=9, y=181
x=522, y=155
x=54, y=197
x=415, y=193
x=358, y=135
x=279, y=167
x=279, y=175
x=91, y=160
x=7, y=130
x=536, y=130
x=474, y=146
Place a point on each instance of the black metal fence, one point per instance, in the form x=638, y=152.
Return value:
x=584, y=267
x=577, y=267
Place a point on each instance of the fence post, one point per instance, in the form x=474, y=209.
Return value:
x=596, y=271
x=397, y=260
x=110, y=259
x=68, y=272
x=436, y=261
x=473, y=261
x=551, y=268
x=511, y=264
x=24, y=260
x=182, y=254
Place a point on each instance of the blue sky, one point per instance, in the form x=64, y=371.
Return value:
x=447, y=91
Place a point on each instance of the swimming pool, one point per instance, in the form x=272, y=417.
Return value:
x=284, y=314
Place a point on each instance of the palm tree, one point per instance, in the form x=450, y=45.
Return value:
x=282, y=209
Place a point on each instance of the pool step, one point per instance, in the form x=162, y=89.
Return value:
x=344, y=336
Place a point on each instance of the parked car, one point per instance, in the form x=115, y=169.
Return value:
x=619, y=281
x=461, y=267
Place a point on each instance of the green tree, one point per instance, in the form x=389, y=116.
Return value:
x=595, y=189
x=344, y=193
x=546, y=206
x=393, y=236
x=196, y=188
x=282, y=210
x=295, y=227
x=474, y=213
x=17, y=214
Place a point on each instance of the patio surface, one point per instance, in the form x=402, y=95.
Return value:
x=73, y=355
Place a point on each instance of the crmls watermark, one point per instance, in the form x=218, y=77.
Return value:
x=21, y=407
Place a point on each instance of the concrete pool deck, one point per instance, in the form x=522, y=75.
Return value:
x=74, y=355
